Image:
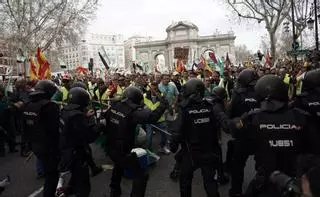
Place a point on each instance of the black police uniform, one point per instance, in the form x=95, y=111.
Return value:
x=217, y=99
x=280, y=134
x=95, y=170
x=196, y=130
x=77, y=132
x=41, y=127
x=243, y=100
x=8, y=113
x=122, y=119
x=309, y=100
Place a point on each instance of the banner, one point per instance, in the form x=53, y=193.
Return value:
x=181, y=53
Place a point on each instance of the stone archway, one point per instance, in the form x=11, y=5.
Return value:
x=160, y=61
x=205, y=52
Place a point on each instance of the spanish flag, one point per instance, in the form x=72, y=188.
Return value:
x=32, y=68
x=44, y=66
x=180, y=67
x=206, y=65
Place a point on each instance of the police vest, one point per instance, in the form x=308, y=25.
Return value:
x=279, y=139
x=311, y=104
x=65, y=93
x=34, y=130
x=200, y=128
x=280, y=131
x=121, y=130
x=68, y=139
x=249, y=100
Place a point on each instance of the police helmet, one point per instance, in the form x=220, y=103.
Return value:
x=45, y=87
x=271, y=87
x=219, y=92
x=311, y=80
x=79, y=84
x=78, y=96
x=247, y=77
x=133, y=94
x=193, y=87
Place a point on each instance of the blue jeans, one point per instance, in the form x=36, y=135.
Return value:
x=164, y=138
x=39, y=167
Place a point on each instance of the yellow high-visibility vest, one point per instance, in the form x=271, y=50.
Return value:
x=65, y=93
x=91, y=88
x=104, y=96
x=119, y=92
x=184, y=81
x=152, y=106
x=299, y=87
x=89, y=95
x=286, y=80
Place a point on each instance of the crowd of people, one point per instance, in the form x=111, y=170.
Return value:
x=270, y=113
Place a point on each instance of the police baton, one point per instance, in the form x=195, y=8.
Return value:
x=161, y=130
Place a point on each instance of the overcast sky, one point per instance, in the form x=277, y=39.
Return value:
x=151, y=18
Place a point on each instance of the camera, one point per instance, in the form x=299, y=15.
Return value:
x=285, y=185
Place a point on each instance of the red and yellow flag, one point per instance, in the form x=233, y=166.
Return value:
x=44, y=66
x=205, y=64
x=180, y=67
x=32, y=69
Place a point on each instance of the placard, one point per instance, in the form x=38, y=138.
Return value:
x=181, y=53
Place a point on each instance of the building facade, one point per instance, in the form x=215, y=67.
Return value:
x=183, y=34
x=130, y=50
x=79, y=54
x=8, y=63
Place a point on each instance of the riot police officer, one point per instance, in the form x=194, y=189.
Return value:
x=78, y=130
x=41, y=127
x=199, y=149
x=280, y=133
x=121, y=120
x=309, y=101
x=243, y=100
x=95, y=170
x=218, y=99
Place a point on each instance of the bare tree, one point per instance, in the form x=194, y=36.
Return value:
x=301, y=15
x=241, y=53
x=28, y=24
x=283, y=43
x=271, y=12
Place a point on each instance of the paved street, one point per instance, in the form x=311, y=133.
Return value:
x=25, y=184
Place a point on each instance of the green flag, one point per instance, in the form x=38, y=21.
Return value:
x=221, y=66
